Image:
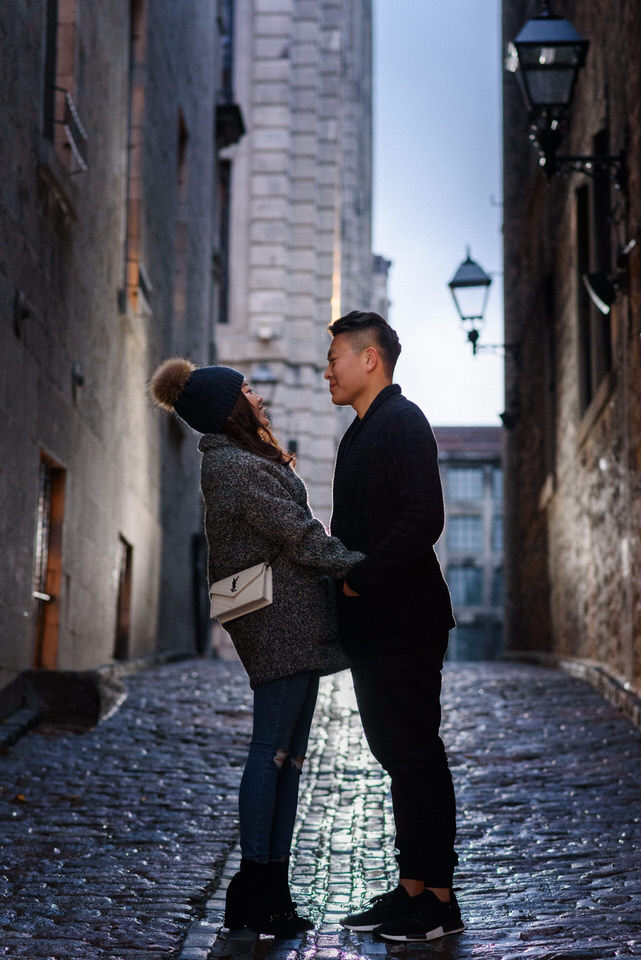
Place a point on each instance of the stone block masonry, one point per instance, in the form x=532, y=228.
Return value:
x=77, y=345
x=301, y=202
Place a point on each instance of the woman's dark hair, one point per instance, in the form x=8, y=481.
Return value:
x=363, y=326
x=244, y=428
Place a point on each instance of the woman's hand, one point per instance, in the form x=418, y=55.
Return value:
x=348, y=590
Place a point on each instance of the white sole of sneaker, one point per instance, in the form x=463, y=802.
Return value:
x=368, y=928
x=432, y=935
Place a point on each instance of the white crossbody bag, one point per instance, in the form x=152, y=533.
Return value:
x=243, y=592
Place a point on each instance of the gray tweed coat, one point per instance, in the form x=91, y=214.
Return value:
x=256, y=511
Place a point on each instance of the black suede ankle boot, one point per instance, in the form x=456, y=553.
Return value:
x=282, y=902
x=250, y=902
x=235, y=903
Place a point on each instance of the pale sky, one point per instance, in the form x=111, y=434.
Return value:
x=437, y=186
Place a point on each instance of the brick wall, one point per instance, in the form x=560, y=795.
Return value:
x=572, y=463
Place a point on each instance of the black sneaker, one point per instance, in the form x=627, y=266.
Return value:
x=385, y=907
x=426, y=919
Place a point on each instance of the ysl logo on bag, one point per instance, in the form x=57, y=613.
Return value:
x=234, y=584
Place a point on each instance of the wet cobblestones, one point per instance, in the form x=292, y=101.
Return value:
x=111, y=838
x=117, y=843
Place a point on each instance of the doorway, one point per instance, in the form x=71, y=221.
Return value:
x=47, y=577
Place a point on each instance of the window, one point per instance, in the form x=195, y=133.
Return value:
x=497, y=484
x=466, y=585
x=134, y=271
x=593, y=254
x=467, y=642
x=221, y=260
x=226, y=31
x=497, y=533
x=465, y=532
x=181, y=239
x=61, y=123
x=498, y=594
x=601, y=257
x=229, y=132
x=51, y=50
x=584, y=306
x=230, y=126
x=476, y=641
x=465, y=483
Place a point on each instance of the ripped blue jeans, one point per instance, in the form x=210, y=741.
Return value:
x=283, y=711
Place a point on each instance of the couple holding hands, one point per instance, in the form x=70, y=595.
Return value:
x=375, y=583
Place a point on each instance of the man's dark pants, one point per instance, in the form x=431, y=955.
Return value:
x=398, y=695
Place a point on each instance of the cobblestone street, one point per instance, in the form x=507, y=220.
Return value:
x=117, y=843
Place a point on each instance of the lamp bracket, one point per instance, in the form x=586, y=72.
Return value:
x=588, y=164
x=507, y=349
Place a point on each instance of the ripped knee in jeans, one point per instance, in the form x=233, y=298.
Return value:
x=281, y=756
x=279, y=759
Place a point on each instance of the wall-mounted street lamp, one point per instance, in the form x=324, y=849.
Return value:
x=546, y=58
x=470, y=287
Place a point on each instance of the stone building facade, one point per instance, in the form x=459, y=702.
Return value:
x=380, y=299
x=471, y=548
x=573, y=457
x=300, y=211
x=108, y=226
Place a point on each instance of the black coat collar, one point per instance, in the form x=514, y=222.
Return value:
x=390, y=390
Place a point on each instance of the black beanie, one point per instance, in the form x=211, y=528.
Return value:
x=208, y=397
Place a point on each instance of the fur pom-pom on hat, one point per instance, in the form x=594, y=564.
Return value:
x=169, y=381
x=201, y=396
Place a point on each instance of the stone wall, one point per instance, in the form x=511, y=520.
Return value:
x=573, y=527
x=129, y=474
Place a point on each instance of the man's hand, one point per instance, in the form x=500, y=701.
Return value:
x=348, y=591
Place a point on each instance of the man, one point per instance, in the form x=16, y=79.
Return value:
x=394, y=615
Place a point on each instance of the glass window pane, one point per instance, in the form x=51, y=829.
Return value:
x=497, y=588
x=465, y=532
x=497, y=483
x=465, y=483
x=466, y=585
x=467, y=642
x=497, y=532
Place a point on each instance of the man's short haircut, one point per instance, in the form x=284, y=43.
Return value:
x=368, y=327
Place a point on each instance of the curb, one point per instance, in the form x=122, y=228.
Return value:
x=204, y=932
x=617, y=691
x=13, y=727
x=18, y=723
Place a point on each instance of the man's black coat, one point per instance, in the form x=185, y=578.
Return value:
x=388, y=502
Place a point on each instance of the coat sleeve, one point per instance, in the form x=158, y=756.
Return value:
x=410, y=465
x=269, y=508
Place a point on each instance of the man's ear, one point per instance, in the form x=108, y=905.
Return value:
x=372, y=358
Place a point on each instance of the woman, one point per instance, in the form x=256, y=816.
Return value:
x=256, y=511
